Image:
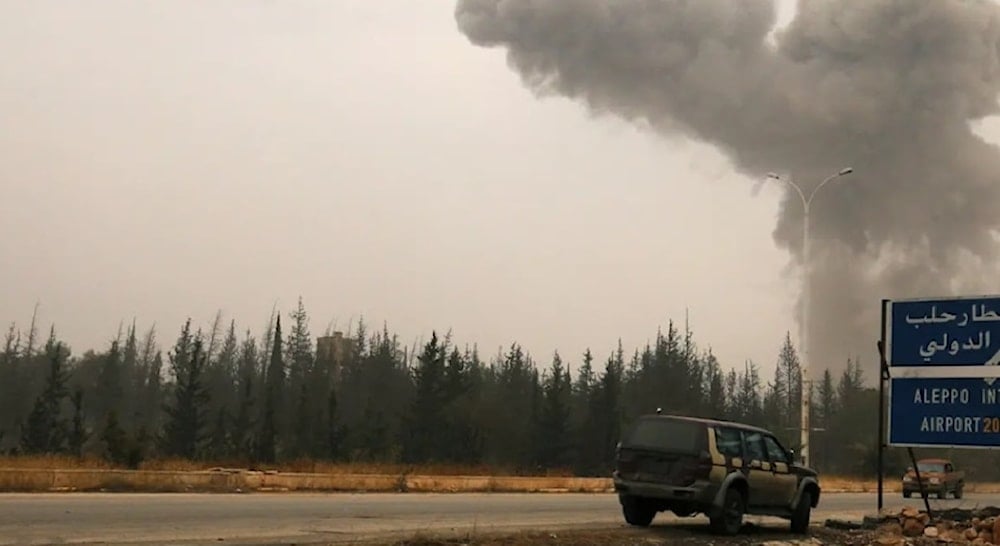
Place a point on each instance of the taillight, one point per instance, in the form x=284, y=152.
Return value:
x=697, y=469
x=704, y=465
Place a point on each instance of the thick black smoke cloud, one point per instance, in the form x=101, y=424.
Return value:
x=887, y=87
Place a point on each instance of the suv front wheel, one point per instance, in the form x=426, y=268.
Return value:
x=729, y=519
x=800, y=518
x=637, y=511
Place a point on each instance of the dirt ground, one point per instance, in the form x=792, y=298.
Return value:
x=673, y=535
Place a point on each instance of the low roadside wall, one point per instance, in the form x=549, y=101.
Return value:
x=224, y=480
x=238, y=480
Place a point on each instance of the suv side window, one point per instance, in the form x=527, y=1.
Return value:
x=755, y=446
x=774, y=449
x=729, y=442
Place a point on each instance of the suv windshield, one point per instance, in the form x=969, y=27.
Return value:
x=930, y=467
x=666, y=434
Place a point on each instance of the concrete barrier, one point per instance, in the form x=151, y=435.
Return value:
x=238, y=480
x=118, y=480
x=448, y=484
x=323, y=482
x=507, y=484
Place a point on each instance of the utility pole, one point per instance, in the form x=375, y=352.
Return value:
x=806, y=381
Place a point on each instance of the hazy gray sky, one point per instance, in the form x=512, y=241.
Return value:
x=168, y=159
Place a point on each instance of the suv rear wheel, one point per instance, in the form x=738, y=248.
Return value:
x=637, y=511
x=729, y=519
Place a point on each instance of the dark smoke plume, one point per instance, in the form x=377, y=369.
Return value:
x=887, y=87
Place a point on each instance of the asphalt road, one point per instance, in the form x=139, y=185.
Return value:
x=287, y=518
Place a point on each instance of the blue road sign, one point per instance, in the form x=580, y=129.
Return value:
x=943, y=332
x=944, y=360
x=936, y=412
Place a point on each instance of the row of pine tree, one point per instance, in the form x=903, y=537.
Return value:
x=225, y=395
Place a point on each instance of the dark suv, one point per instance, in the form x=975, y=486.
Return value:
x=718, y=468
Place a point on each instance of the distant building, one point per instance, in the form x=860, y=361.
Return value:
x=334, y=351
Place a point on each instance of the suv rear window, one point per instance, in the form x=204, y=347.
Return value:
x=930, y=467
x=667, y=435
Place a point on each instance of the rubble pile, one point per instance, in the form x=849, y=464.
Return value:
x=913, y=527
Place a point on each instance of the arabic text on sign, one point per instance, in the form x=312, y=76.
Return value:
x=975, y=343
x=979, y=314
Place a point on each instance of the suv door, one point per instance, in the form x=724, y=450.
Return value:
x=949, y=476
x=784, y=482
x=759, y=475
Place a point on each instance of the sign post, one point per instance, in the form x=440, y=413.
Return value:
x=941, y=361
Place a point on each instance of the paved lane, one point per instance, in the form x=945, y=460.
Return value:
x=329, y=518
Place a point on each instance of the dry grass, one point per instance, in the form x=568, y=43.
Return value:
x=830, y=483
x=53, y=462
x=837, y=483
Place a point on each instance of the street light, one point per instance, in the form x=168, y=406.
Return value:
x=806, y=383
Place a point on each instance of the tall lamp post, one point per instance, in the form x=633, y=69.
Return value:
x=806, y=383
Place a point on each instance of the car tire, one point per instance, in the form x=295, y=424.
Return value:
x=800, y=517
x=958, y=490
x=728, y=520
x=942, y=494
x=907, y=494
x=637, y=511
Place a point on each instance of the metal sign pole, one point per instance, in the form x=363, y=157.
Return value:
x=882, y=377
x=883, y=371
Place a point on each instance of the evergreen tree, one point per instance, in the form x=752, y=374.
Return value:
x=733, y=409
x=116, y=448
x=609, y=416
x=715, y=387
x=11, y=385
x=553, y=439
x=463, y=439
x=108, y=395
x=790, y=369
x=693, y=398
x=78, y=433
x=244, y=425
x=46, y=429
x=748, y=397
x=304, y=395
x=335, y=431
x=825, y=414
x=150, y=383
x=273, y=400
x=424, y=440
x=219, y=440
x=130, y=377
x=184, y=434
x=221, y=378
